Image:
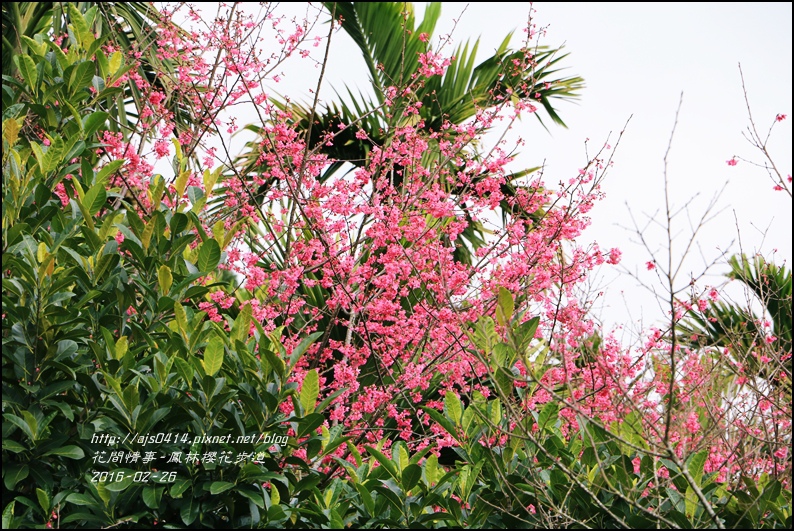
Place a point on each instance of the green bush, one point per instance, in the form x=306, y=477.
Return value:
x=102, y=338
x=104, y=344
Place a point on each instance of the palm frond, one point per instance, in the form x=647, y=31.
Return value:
x=771, y=284
x=726, y=325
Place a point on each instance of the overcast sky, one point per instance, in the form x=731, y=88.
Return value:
x=636, y=60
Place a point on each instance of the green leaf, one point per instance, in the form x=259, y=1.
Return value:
x=114, y=63
x=242, y=325
x=190, y=510
x=387, y=463
x=209, y=256
x=36, y=47
x=152, y=496
x=366, y=497
x=504, y=381
x=411, y=476
x=179, y=487
x=121, y=348
x=54, y=155
x=44, y=500
x=336, y=521
x=181, y=318
x=107, y=170
x=27, y=68
x=81, y=76
x=502, y=356
x=275, y=362
x=453, y=407
x=309, y=423
x=696, y=464
x=310, y=390
x=165, y=279
x=179, y=222
x=181, y=182
x=70, y=451
x=14, y=446
x=443, y=421
x=526, y=331
x=13, y=473
x=354, y=452
x=213, y=356
x=8, y=515
x=185, y=370
x=83, y=33
x=220, y=486
x=485, y=336
x=431, y=469
x=78, y=498
x=301, y=348
x=25, y=425
x=505, y=307
x=95, y=199
x=93, y=122
x=548, y=416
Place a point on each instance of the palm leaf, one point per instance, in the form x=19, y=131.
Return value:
x=725, y=325
x=385, y=33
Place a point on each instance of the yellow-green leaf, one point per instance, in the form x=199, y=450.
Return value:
x=309, y=391
x=213, y=356
x=41, y=252
x=453, y=407
x=404, y=460
x=44, y=500
x=146, y=237
x=121, y=347
x=28, y=70
x=431, y=469
x=80, y=26
x=95, y=199
x=210, y=179
x=165, y=279
x=109, y=228
x=178, y=148
x=11, y=131
x=229, y=235
x=181, y=183
x=181, y=318
x=103, y=492
x=504, y=307
x=242, y=324
x=114, y=63
x=37, y=48
x=107, y=170
x=219, y=232
x=155, y=191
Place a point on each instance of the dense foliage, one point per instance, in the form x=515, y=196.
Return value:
x=364, y=319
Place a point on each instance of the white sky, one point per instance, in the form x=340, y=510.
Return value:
x=636, y=59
